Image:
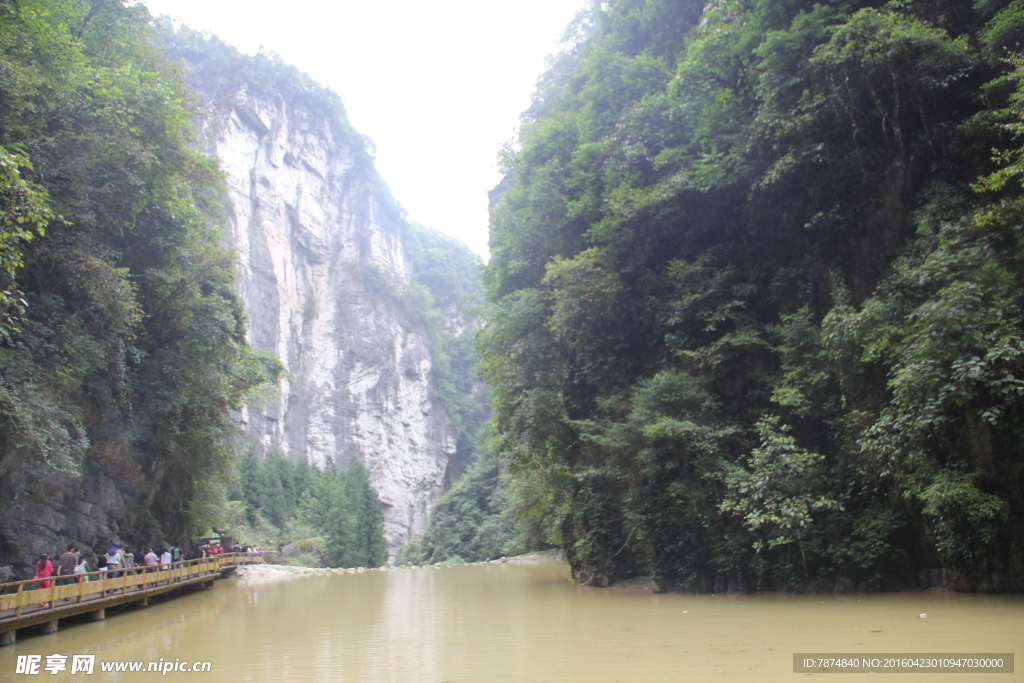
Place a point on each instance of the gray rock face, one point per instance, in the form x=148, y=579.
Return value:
x=42, y=512
x=322, y=267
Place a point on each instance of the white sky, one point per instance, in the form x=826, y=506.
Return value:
x=438, y=86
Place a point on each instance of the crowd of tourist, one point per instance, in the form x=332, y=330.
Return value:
x=120, y=560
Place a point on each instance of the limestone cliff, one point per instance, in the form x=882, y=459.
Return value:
x=323, y=264
x=361, y=307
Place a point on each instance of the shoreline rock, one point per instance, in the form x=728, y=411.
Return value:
x=267, y=572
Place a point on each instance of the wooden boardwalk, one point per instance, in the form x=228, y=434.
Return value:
x=23, y=604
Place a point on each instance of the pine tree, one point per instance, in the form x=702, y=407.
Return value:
x=250, y=477
x=275, y=494
x=305, y=478
x=368, y=517
x=339, y=523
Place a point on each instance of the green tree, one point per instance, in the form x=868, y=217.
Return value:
x=369, y=549
x=24, y=214
x=339, y=525
x=778, y=494
x=468, y=523
x=279, y=497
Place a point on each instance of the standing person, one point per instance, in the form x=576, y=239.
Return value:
x=165, y=561
x=128, y=560
x=101, y=564
x=113, y=560
x=66, y=566
x=44, y=570
x=122, y=554
x=139, y=558
x=151, y=560
x=175, y=556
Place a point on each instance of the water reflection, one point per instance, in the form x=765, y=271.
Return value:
x=518, y=623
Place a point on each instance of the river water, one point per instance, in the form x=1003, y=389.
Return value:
x=520, y=622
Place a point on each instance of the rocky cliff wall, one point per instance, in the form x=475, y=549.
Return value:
x=322, y=266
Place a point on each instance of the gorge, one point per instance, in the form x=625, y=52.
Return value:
x=234, y=262
x=752, y=314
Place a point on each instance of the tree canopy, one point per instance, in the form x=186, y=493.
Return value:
x=123, y=343
x=754, y=305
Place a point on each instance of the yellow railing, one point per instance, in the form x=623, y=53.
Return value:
x=17, y=595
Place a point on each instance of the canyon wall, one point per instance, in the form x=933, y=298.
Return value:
x=335, y=283
x=323, y=264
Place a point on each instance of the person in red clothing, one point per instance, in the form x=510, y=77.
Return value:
x=44, y=570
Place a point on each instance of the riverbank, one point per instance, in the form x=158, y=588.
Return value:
x=270, y=572
x=941, y=582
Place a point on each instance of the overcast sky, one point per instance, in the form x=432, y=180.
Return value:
x=438, y=86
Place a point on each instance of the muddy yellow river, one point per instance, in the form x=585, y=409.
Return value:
x=516, y=623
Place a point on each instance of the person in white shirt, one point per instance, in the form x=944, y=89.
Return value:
x=165, y=559
x=151, y=560
x=113, y=562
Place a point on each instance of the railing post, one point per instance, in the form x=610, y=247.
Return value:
x=17, y=605
x=78, y=584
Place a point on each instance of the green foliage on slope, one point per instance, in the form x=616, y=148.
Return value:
x=754, y=302
x=336, y=513
x=469, y=523
x=124, y=346
x=448, y=291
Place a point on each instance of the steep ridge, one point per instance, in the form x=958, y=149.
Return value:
x=325, y=273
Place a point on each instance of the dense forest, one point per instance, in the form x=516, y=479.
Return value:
x=330, y=517
x=470, y=522
x=754, y=304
